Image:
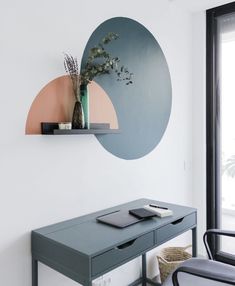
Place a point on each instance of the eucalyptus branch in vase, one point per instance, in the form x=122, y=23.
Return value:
x=99, y=62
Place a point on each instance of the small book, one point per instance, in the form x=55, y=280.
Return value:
x=161, y=212
x=142, y=213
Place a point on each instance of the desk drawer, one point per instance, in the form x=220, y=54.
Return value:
x=121, y=253
x=171, y=230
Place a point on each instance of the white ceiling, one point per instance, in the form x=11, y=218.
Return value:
x=199, y=5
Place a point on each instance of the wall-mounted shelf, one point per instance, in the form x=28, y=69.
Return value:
x=85, y=131
x=52, y=128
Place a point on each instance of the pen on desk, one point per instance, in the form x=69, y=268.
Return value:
x=159, y=207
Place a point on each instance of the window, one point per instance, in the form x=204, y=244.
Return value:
x=221, y=125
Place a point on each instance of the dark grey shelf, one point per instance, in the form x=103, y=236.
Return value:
x=85, y=131
x=51, y=128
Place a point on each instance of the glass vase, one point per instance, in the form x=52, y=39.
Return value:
x=84, y=96
x=78, y=121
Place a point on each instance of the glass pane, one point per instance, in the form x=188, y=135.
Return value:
x=226, y=29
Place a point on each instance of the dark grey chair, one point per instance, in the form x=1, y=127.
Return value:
x=204, y=272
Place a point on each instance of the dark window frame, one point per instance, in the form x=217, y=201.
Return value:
x=213, y=126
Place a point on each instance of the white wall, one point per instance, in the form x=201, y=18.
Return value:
x=199, y=122
x=48, y=179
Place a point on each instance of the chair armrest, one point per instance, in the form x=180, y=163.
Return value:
x=215, y=232
x=223, y=278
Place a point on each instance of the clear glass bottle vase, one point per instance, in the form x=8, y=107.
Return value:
x=84, y=97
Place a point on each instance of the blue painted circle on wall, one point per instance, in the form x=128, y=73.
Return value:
x=143, y=108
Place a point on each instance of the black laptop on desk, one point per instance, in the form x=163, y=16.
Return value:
x=119, y=219
x=123, y=219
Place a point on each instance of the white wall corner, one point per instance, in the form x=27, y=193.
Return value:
x=199, y=121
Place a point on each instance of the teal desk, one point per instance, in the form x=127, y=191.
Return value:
x=84, y=249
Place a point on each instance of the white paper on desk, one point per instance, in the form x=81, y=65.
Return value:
x=159, y=212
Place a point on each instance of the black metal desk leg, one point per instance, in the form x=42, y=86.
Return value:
x=144, y=275
x=34, y=272
x=194, y=241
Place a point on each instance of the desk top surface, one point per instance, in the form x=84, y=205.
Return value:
x=89, y=237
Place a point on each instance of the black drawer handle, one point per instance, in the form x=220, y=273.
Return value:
x=178, y=221
x=127, y=244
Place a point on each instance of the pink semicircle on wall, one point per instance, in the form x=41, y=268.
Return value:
x=55, y=103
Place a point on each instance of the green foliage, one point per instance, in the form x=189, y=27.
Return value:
x=229, y=167
x=100, y=62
